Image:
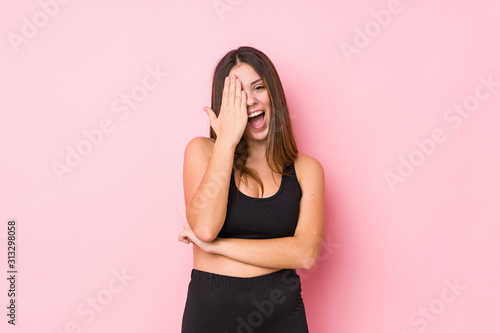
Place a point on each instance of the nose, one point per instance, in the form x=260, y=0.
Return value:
x=250, y=98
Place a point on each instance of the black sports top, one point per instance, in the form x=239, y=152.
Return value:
x=261, y=218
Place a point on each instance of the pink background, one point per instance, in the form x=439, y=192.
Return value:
x=389, y=250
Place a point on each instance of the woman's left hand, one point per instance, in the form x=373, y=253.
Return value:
x=187, y=236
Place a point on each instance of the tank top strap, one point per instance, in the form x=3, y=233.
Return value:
x=290, y=170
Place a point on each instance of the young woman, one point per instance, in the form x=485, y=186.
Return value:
x=254, y=206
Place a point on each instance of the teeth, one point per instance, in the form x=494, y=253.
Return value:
x=254, y=114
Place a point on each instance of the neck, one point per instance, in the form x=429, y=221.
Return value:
x=257, y=149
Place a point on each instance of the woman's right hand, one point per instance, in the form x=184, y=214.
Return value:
x=232, y=120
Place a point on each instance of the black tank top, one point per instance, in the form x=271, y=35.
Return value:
x=261, y=218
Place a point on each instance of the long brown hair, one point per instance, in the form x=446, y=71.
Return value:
x=281, y=148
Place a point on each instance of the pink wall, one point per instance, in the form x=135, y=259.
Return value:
x=391, y=96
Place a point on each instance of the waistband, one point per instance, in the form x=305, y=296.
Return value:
x=257, y=282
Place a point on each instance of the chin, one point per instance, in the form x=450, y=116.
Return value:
x=256, y=136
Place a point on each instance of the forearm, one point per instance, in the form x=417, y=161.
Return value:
x=206, y=211
x=286, y=252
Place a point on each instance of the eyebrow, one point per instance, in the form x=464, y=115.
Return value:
x=256, y=81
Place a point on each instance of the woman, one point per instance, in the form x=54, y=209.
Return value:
x=254, y=206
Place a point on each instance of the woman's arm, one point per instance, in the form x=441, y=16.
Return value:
x=299, y=251
x=207, y=171
x=208, y=165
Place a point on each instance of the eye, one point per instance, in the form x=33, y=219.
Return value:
x=260, y=87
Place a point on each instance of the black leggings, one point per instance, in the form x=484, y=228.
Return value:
x=270, y=303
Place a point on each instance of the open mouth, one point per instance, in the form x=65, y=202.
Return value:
x=257, y=119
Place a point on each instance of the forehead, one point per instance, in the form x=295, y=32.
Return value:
x=245, y=73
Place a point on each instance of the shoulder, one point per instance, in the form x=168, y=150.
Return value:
x=198, y=153
x=199, y=146
x=201, y=142
x=308, y=170
x=307, y=164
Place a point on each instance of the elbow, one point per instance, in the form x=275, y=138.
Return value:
x=309, y=257
x=204, y=228
x=202, y=231
x=307, y=262
x=201, y=228
x=205, y=235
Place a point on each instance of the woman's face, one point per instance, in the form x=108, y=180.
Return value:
x=258, y=103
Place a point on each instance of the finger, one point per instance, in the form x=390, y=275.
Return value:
x=212, y=117
x=232, y=88
x=244, y=102
x=184, y=238
x=237, y=98
x=225, y=91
